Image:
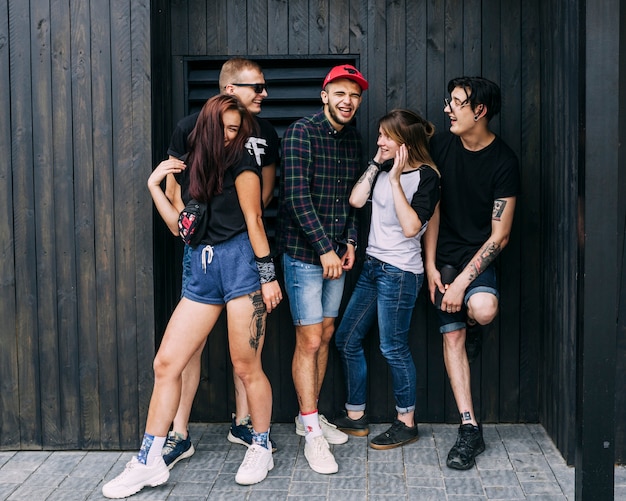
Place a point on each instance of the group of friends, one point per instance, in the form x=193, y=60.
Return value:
x=442, y=207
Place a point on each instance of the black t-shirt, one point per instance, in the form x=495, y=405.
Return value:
x=225, y=217
x=470, y=183
x=263, y=147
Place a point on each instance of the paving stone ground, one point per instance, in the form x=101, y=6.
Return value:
x=520, y=462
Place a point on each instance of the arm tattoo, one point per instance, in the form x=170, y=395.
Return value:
x=487, y=254
x=257, y=322
x=369, y=175
x=498, y=209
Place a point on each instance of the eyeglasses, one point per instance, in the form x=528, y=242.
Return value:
x=257, y=87
x=457, y=104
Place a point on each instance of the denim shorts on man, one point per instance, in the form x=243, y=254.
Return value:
x=311, y=297
x=222, y=272
x=485, y=282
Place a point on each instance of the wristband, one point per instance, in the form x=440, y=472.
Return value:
x=375, y=164
x=267, y=272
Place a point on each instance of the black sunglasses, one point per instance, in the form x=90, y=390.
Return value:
x=258, y=87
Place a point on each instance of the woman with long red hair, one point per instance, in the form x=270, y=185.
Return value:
x=231, y=267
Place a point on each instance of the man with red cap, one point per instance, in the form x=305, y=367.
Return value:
x=322, y=159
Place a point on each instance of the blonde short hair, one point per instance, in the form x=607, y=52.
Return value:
x=231, y=69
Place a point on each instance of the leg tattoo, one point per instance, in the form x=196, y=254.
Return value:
x=257, y=323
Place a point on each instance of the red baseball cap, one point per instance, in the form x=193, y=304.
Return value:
x=345, y=71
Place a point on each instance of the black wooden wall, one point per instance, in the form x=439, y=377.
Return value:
x=91, y=91
x=76, y=285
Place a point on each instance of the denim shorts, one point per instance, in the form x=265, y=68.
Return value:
x=311, y=297
x=186, y=267
x=222, y=272
x=485, y=282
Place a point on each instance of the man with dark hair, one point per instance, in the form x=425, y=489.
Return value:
x=471, y=226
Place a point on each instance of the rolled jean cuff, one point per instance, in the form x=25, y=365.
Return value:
x=455, y=326
x=355, y=408
x=404, y=410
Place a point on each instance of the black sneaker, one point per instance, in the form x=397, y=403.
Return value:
x=473, y=341
x=399, y=434
x=176, y=448
x=469, y=444
x=242, y=433
x=357, y=427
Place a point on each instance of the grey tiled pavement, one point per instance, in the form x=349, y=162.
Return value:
x=520, y=462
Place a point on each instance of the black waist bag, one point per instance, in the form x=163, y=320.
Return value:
x=193, y=222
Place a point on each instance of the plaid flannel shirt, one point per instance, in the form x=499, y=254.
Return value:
x=319, y=168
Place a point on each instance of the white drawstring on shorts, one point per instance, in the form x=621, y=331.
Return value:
x=207, y=256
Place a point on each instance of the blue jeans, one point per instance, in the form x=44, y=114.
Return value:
x=390, y=292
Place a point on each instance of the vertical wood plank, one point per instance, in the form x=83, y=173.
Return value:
x=99, y=348
x=298, y=27
x=257, y=17
x=435, y=74
x=472, y=37
x=125, y=226
x=180, y=28
x=52, y=431
x=237, y=27
x=529, y=212
x=64, y=227
x=142, y=168
x=416, y=75
x=198, y=27
x=396, y=55
x=216, y=29
x=84, y=235
x=454, y=24
x=277, y=27
x=27, y=328
x=9, y=370
x=338, y=35
x=318, y=26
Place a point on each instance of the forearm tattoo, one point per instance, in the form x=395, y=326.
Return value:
x=257, y=323
x=369, y=175
x=487, y=254
x=498, y=209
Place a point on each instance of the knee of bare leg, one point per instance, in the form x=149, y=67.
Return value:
x=160, y=366
x=483, y=308
x=454, y=339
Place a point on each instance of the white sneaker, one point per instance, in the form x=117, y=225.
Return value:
x=255, y=465
x=331, y=433
x=317, y=453
x=135, y=477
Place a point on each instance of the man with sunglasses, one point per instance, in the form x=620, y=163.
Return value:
x=242, y=78
x=469, y=229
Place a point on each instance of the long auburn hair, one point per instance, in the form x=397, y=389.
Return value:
x=407, y=127
x=208, y=157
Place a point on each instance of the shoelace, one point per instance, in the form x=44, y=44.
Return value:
x=252, y=457
x=207, y=256
x=321, y=446
x=127, y=470
x=170, y=444
x=463, y=440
